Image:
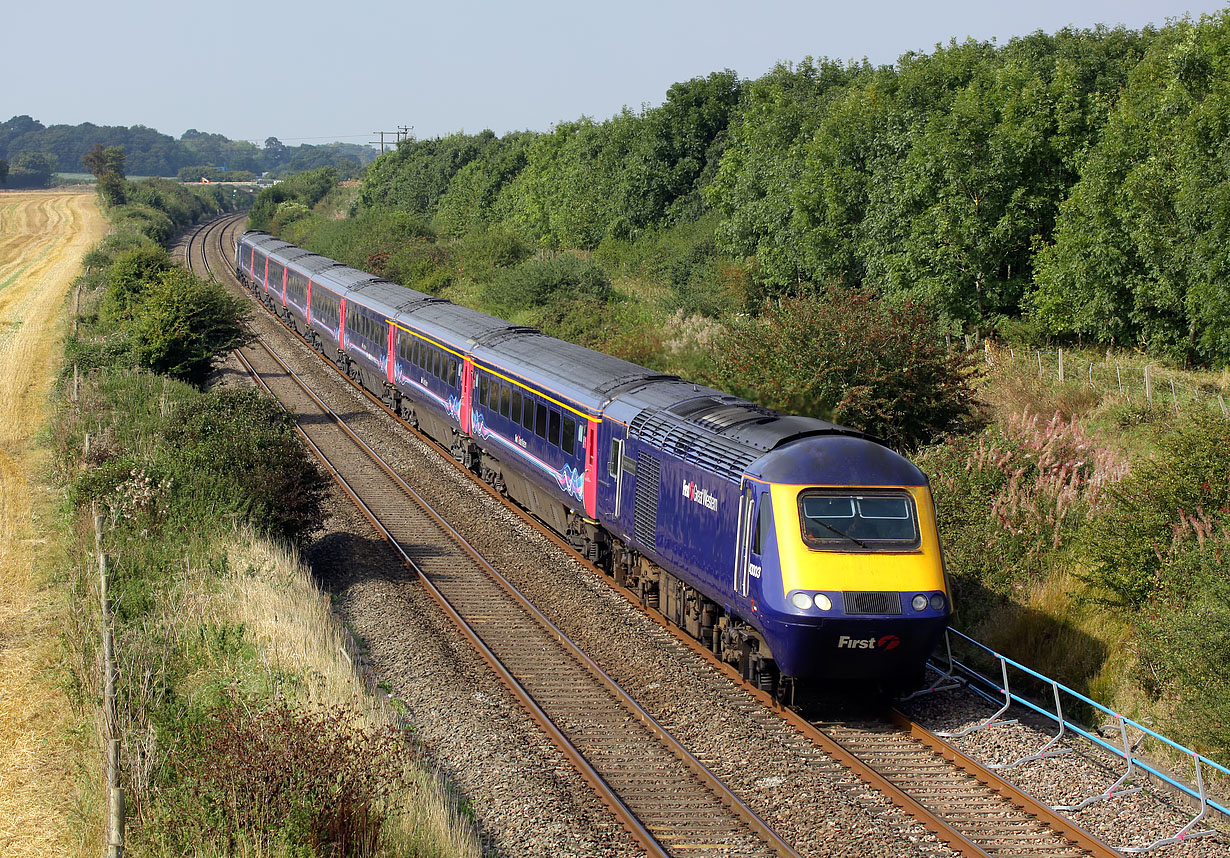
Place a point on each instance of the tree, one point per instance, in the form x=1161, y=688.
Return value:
x=867, y=362
x=108, y=165
x=32, y=170
x=275, y=152
x=4, y=171
x=180, y=323
x=1139, y=254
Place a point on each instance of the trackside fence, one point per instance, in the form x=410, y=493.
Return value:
x=1153, y=385
x=955, y=673
x=114, y=847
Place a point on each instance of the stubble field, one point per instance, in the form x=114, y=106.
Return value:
x=43, y=237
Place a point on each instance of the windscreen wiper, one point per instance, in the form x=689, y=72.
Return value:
x=857, y=542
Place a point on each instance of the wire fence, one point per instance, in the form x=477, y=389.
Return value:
x=999, y=692
x=1148, y=384
x=115, y=809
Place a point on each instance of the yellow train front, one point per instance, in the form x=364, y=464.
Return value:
x=844, y=576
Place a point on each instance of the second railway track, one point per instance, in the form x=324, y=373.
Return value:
x=680, y=809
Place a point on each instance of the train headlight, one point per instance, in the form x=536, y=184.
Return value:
x=802, y=601
x=823, y=602
x=920, y=602
x=937, y=601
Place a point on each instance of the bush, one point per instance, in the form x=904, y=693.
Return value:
x=849, y=356
x=181, y=322
x=263, y=780
x=481, y=254
x=128, y=277
x=166, y=455
x=1185, y=634
x=1011, y=501
x=541, y=282
x=151, y=222
x=1189, y=473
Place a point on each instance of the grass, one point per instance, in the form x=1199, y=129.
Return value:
x=270, y=594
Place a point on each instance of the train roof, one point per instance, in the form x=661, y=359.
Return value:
x=725, y=434
x=583, y=375
x=385, y=296
x=715, y=430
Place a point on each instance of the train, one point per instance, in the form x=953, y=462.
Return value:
x=795, y=549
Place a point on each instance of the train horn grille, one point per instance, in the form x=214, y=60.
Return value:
x=872, y=603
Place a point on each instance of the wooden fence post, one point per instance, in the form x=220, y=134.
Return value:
x=1061, y=366
x=1148, y=385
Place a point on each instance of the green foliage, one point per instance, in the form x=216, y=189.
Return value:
x=108, y=166
x=1140, y=254
x=306, y=189
x=128, y=275
x=481, y=253
x=867, y=362
x=392, y=244
x=180, y=322
x=31, y=170
x=1189, y=475
x=416, y=175
x=213, y=174
x=1186, y=625
x=4, y=171
x=151, y=222
x=542, y=282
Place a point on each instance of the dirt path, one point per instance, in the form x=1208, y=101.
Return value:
x=42, y=239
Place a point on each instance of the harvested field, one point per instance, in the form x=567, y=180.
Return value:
x=42, y=239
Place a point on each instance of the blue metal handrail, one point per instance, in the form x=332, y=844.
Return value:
x=1008, y=697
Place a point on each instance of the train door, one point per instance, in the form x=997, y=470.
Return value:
x=611, y=472
x=743, y=545
x=467, y=393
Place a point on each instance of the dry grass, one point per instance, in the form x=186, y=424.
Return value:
x=42, y=239
x=272, y=596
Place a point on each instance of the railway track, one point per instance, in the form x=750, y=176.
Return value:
x=669, y=802
x=667, y=799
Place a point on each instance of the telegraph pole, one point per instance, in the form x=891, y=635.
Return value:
x=403, y=132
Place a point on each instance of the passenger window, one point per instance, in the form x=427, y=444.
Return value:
x=482, y=390
x=527, y=413
x=553, y=432
x=452, y=373
x=570, y=435
x=516, y=407
x=540, y=421
x=505, y=400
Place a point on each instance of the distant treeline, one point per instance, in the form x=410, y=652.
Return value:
x=150, y=153
x=1074, y=185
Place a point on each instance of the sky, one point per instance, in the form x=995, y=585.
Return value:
x=314, y=72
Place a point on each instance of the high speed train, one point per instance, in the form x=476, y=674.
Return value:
x=792, y=547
